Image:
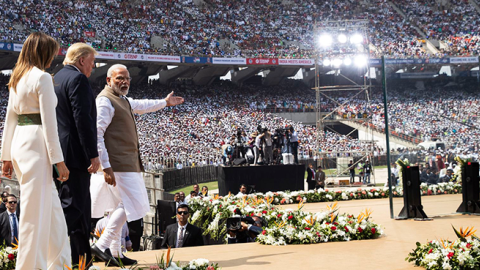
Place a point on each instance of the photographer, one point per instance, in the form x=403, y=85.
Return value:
x=227, y=155
x=267, y=144
x=278, y=143
x=244, y=229
x=255, y=144
x=239, y=143
x=292, y=143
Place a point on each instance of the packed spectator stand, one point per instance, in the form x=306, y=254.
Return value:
x=192, y=134
x=280, y=29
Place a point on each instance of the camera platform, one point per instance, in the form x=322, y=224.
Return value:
x=261, y=178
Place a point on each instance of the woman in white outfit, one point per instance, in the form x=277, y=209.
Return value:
x=30, y=146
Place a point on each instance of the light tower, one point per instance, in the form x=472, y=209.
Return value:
x=342, y=46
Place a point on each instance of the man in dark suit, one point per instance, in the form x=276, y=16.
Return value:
x=182, y=234
x=310, y=177
x=3, y=207
x=320, y=178
x=76, y=117
x=9, y=222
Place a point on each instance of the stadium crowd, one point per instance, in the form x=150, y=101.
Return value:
x=256, y=28
x=454, y=22
x=433, y=113
x=193, y=134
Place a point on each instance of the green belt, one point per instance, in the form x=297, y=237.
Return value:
x=29, y=119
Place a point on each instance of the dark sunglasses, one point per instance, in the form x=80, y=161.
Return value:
x=182, y=213
x=12, y=202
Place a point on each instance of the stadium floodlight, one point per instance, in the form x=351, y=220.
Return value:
x=347, y=61
x=356, y=39
x=325, y=40
x=337, y=62
x=342, y=38
x=326, y=62
x=360, y=60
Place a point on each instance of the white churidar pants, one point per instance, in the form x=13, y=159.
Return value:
x=43, y=238
x=129, y=199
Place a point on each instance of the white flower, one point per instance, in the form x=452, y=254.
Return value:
x=94, y=268
x=446, y=266
x=173, y=266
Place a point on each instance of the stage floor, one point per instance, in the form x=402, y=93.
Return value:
x=387, y=252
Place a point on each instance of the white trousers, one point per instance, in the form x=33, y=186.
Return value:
x=43, y=238
x=112, y=234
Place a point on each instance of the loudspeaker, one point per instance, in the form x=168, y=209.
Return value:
x=470, y=189
x=412, y=202
x=165, y=211
x=239, y=161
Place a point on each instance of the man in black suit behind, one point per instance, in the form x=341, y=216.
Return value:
x=182, y=234
x=9, y=222
x=76, y=117
x=310, y=177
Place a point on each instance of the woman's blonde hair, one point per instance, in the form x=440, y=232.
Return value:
x=38, y=50
x=77, y=51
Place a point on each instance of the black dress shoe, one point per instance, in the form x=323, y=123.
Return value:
x=104, y=256
x=126, y=261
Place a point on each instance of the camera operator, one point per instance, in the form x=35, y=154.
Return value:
x=239, y=143
x=267, y=144
x=255, y=144
x=244, y=229
x=292, y=143
x=227, y=155
x=278, y=143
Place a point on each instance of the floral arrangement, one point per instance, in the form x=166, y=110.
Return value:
x=462, y=253
x=320, y=195
x=166, y=263
x=298, y=227
x=8, y=258
x=284, y=226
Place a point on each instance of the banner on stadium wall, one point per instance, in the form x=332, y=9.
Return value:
x=296, y=62
x=62, y=51
x=6, y=46
x=196, y=60
x=463, y=60
x=162, y=58
x=17, y=47
x=378, y=62
x=229, y=61
x=262, y=61
x=89, y=34
x=105, y=55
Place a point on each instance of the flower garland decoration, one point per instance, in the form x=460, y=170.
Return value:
x=462, y=253
x=284, y=226
x=298, y=227
x=165, y=262
x=8, y=257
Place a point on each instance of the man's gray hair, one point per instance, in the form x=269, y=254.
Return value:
x=114, y=67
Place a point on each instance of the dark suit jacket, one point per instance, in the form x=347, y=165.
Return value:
x=320, y=178
x=5, y=229
x=193, y=236
x=76, y=118
x=309, y=175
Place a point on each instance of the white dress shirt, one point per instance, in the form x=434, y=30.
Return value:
x=180, y=231
x=11, y=222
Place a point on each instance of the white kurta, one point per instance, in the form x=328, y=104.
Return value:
x=43, y=239
x=130, y=188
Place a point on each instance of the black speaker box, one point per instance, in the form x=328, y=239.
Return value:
x=470, y=189
x=239, y=161
x=412, y=202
